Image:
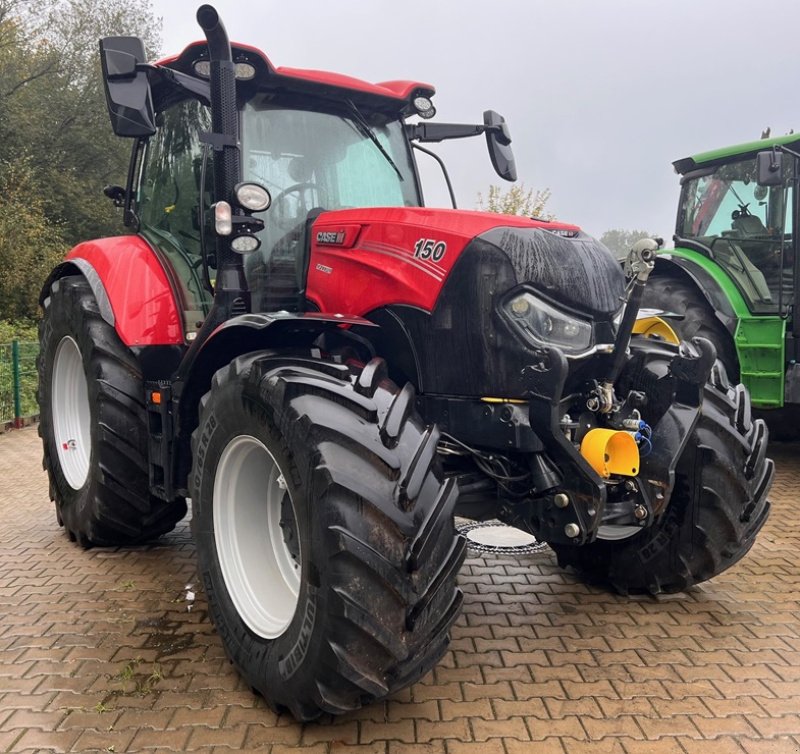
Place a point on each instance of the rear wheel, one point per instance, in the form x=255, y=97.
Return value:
x=324, y=532
x=93, y=425
x=718, y=505
x=675, y=294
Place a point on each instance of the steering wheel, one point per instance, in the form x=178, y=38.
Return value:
x=743, y=211
x=281, y=218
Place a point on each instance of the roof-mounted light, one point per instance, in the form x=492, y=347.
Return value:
x=242, y=71
x=424, y=107
x=202, y=68
x=245, y=71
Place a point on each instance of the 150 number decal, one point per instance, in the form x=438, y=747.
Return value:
x=429, y=248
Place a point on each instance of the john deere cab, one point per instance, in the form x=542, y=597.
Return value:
x=732, y=276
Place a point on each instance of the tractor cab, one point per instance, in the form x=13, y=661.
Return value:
x=742, y=225
x=315, y=141
x=733, y=274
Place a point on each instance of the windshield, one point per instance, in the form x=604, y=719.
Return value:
x=746, y=228
x=312, y=161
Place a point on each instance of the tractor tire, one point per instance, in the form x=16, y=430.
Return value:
x=718, y=505
x=676, y=294
x=324, y=531
x=94, y=425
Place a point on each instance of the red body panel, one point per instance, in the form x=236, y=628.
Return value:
x=141, y=297
x=380, y=267
x=400, y=90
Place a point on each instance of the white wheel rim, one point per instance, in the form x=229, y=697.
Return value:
x=72, y=416
x=612, y=532
x=262, y=577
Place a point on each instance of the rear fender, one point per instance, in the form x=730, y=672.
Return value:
x=131, y=287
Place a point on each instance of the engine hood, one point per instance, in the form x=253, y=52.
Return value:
x=575, y=270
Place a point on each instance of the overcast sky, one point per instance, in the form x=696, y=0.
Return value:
x=601, y=97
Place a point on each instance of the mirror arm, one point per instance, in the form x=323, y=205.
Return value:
x=444, y=171
x=129, y=217
x=436, y=132
x=781, y=148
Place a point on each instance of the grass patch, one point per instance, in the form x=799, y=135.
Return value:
x=26, y=333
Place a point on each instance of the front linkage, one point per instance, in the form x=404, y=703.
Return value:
x=603, y=477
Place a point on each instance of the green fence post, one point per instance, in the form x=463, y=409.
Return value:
x=17, y=388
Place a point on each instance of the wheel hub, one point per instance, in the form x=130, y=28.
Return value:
x=256, y=536
x=71, y=413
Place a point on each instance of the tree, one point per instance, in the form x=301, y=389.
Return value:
x=55, y=105
x=30, y=245
x=57, y=150
x=620, y=241
x=517, y=200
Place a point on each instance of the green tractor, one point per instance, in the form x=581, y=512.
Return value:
x=732, y=276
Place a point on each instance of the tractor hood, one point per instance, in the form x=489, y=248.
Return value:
x=443, y=279
x=570, y=268
x=365, y=259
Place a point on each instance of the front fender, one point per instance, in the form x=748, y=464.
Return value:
x=710, y=279
x=284, y=332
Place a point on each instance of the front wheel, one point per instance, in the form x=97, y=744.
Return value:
x=718, y=505
x=324, y=532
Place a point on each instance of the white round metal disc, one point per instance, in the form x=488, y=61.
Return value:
x=71, y=413
x=260, y=572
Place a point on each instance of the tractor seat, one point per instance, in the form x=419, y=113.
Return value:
x=749, y=225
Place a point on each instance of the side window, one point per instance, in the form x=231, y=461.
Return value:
x=168, y=199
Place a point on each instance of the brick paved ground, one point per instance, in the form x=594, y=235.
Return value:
x=98, y=651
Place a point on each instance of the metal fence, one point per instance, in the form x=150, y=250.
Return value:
x=18, y=381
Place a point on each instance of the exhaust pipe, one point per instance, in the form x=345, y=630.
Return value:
x=231, y=282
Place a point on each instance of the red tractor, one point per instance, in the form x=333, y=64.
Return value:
x=243, y=348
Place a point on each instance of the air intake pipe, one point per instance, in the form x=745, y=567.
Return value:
x=231, y=293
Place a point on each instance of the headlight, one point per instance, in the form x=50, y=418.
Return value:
x=544, y=325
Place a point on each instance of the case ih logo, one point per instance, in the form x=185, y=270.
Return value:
x=331, y=237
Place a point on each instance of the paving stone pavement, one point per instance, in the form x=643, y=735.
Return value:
x=100, y=651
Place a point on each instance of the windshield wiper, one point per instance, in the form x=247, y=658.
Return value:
x=364, y=128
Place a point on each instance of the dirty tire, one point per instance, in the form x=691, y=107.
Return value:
x=678, y=295
x=718, y=506
x=372, y=531
x=105, y=500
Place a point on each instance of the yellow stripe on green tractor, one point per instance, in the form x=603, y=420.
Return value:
x=760, y=343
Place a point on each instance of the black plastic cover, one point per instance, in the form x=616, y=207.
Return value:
x=579, y=271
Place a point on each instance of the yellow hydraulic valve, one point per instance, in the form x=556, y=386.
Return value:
x=611, y=451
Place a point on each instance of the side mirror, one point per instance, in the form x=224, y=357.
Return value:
x=769, y=168
x=130, y=103
x=498, y=139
